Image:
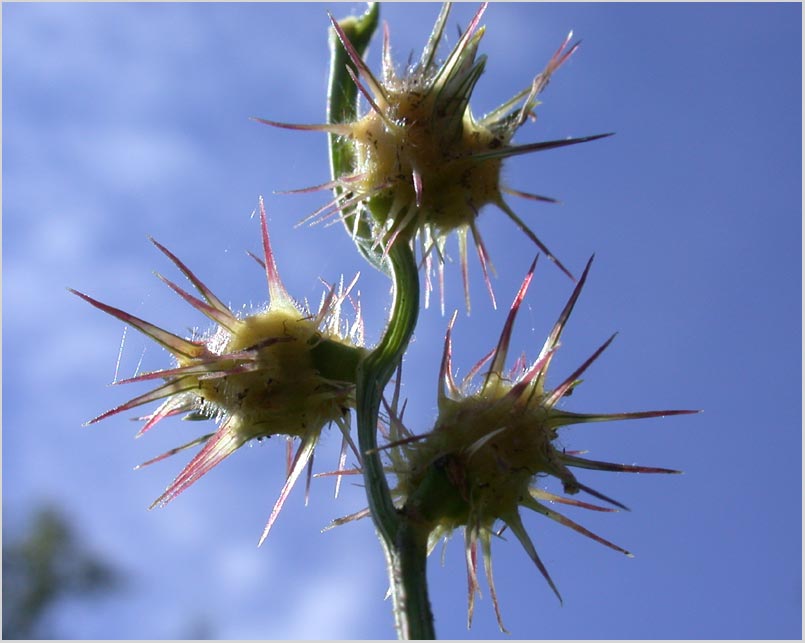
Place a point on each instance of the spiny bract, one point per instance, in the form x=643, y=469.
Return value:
x=424, y=166
x=490, y=442
x=279, y=371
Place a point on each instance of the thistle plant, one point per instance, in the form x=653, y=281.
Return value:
x=491, y=442
x=410, y=165
x=420, y=165
x=280, y=371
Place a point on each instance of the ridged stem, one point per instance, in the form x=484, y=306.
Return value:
x=403, y=541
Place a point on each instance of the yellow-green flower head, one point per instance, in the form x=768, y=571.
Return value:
x=279, y=371
x=491, y=442
x=424, y=165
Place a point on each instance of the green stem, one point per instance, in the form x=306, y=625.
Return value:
x=404, y=541
x=374, y=372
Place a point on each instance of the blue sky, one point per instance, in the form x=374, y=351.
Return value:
x=127, y=120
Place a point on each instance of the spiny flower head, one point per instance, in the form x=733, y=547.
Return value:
x=424, y=165
x=279, y=371
x=490, y=443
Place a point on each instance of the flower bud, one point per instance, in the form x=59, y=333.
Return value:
x=279, y=371
x=491, y=442
x=423, y=164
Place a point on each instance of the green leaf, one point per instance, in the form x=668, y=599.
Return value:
x=342, y=107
